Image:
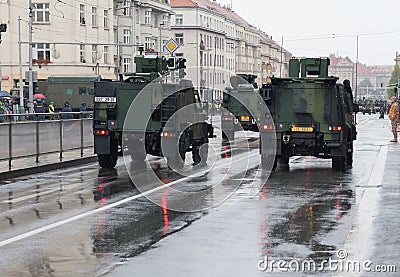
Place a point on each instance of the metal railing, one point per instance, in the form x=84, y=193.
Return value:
x=38, y=134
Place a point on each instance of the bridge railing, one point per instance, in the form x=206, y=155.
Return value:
x=39, y=134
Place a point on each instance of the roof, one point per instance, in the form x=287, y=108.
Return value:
x=182, y=3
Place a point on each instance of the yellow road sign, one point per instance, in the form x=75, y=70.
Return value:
x=171, y=46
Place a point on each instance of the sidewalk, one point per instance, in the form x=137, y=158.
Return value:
x=26, y=166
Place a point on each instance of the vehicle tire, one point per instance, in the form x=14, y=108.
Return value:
x=283, y=164
x=228, y=135
x=339, y=163
x=137, y=162
x=350, y=155
x=267, y=160
x=109, y=160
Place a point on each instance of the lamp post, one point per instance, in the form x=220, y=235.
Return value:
x=161, y=48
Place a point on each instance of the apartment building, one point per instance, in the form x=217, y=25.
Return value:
x=149, y=26
x=69, y=38
x=84, y=37
x=218, y=43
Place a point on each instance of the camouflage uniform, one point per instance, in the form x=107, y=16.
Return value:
x=393, y=115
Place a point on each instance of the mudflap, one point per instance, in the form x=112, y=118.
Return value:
x=102, y=145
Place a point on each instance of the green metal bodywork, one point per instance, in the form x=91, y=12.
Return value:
x=141, y=108
x=313, y=114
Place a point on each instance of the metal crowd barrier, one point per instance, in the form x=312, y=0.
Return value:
x=39, y=134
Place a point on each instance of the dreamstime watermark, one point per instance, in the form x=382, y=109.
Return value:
x=338, y=264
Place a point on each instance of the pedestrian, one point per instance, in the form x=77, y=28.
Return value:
x=394, y=115
x=66, y=109
x=39, y=109
x=83, y=110
x=51, y=109
x=2, y=111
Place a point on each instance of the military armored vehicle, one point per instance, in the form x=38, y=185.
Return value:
x=236, y=103
x=313, y=115
x=136, y=115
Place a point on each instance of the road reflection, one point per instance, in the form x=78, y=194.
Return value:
x=314, y=209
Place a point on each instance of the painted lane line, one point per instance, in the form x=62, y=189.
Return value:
x=358, y=242
x=113, y=205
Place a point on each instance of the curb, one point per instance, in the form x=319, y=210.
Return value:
x=44, y=168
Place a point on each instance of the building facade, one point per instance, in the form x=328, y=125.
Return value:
x=74, y=38
x=218, y=44
x=84, y=38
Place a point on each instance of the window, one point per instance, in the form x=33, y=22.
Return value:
x=127, y=8
x=179, y=38
x=43, y=51
x=165, y=20
x=127, y=36
x=94, y=16
x=94, y=53
x=105, y=19
x=127, y=64
x=105, y=52
x=82, y=91
x=41, y=13
x=179, y=19
x=82, y=14
x=147, y=17
x=147, y=43
x=82, y=53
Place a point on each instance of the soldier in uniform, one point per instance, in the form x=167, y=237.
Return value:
x=394, y=115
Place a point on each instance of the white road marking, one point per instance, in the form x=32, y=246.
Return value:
x=77, y=217
x=361, y=234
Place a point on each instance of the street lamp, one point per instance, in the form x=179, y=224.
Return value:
x=161, y=48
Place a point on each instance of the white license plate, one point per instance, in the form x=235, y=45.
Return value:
x=105, y=99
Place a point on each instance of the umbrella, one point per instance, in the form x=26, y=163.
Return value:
x=39, y=96
x=4, y=94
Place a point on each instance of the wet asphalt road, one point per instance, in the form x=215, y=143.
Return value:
x=74, y=222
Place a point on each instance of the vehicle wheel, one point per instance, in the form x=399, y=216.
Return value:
x=138, y=161
x=350, y=155
x=339, y=163
x=283, y=164
x=228, y=135
x=267, y=160
x=109, y=160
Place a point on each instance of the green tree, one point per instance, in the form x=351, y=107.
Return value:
x=394, y=79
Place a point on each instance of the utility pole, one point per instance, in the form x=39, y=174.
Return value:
x=133, y=33
x=21, y=86
x=30, y=73
x=161, y=49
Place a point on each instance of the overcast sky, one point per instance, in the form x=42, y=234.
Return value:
x=376, y=22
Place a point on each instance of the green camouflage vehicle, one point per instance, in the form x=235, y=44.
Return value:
x=312, y=113
x=136, y=115
x=236, y=103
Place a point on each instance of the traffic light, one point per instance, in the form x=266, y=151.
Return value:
x=171, y=63
x=181, y=63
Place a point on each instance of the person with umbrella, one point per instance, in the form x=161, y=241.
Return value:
x=39, y=108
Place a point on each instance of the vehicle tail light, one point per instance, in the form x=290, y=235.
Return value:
x=101, y=132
